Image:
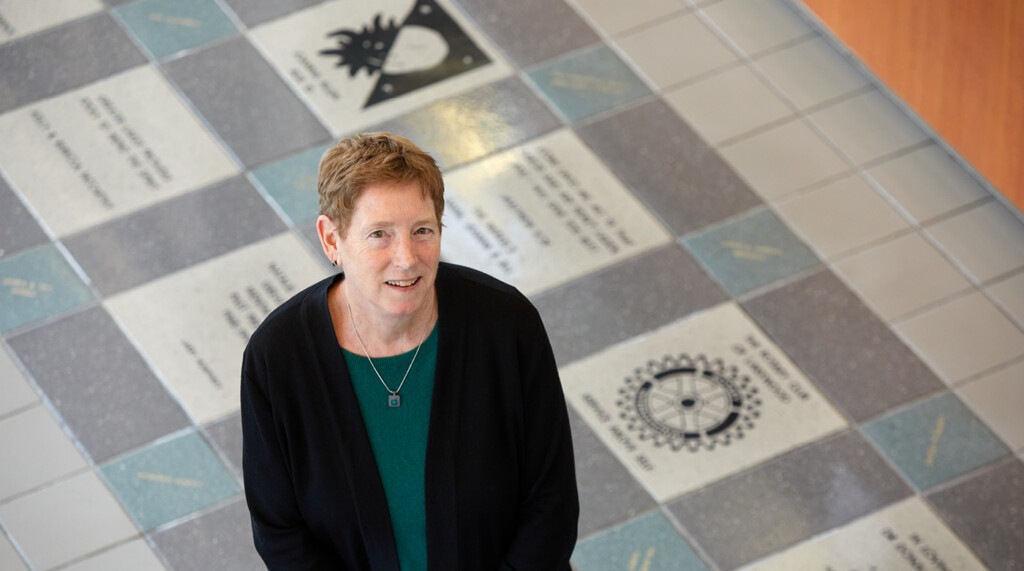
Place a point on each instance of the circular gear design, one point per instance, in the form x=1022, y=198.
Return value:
x=692, y=403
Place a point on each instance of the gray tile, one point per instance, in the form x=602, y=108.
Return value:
x=987, y=512
x=641, y=294
x=788, y=499
x=173, y=235
x=271, y=123
x=531, y=31
x=608, y=494
x=221, y=539
x=475, y=124
x=226, y=434
x=64, y=58
x=255, y=12
x=671, y=169
x=18, y=230
x=99, y=383
x=848, y=352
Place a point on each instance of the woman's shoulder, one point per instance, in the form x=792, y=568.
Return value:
x=481, y=294
x=293, y=316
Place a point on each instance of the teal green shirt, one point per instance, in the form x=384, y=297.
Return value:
x=399, y=440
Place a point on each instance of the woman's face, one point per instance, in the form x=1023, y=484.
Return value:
x=390, y=250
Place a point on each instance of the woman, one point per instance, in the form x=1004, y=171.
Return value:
x=404, y=413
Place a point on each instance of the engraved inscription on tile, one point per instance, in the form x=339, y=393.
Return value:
x=905, y=536
x=360, y=63
x=543, y=214
x=697, y=400
x=109, y=148
x=19, y=19
x=194, y=324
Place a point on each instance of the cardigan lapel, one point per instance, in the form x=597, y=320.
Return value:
x=353, y=441
x=442, y=438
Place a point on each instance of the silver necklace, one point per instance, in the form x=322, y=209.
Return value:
x=394, y=399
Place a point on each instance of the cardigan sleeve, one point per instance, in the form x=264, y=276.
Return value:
x=549, y=511
x=279, y=531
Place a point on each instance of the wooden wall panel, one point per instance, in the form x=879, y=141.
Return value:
x=958, y=63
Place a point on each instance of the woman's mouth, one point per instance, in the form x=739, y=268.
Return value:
x=402, y=283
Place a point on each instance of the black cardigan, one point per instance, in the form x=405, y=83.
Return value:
x=500, y=478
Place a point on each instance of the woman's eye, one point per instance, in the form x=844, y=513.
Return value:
x=377, y=234
x=424, y=230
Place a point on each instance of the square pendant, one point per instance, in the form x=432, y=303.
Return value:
x=394, y=401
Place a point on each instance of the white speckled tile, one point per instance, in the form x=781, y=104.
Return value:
x=675, y=49
x=757, y=25
x=543, y=214
x=783, y=159
x=888, y=539
x=986, y=240
x=841, y=216
x=927, y=183
x=199, y=357
x=868, y=126
x=16, y=391
x=697, y=400
x=996, y=398
x=134, y=555
x=963, y=337
x=727, y=104
x=418, y=61
x=110, y=148
x=811, y=72
x=19, y=19
x=901, y=276
x=89, y=519
x=34, y=442
x=615, y=16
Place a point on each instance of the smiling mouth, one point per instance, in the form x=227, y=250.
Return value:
x=403, y=283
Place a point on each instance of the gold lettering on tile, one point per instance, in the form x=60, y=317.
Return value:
x=175, y=20
x=582, y=82
x=940, y=423
x=165, y=479
x=751, y=251
x=634, y=560
x=25, y=288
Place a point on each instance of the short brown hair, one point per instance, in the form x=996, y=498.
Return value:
x=347, y=168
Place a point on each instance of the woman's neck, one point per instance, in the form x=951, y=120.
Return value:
x=358, y=325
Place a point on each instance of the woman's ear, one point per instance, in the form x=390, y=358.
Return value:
x=329, y=239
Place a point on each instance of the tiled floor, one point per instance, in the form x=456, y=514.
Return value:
x=790, y=327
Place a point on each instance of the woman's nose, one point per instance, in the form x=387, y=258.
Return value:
x=405, y=255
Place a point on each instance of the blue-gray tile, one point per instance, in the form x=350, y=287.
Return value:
x=788, y=499
x=750, y=251
x=18, y=229
x=608, y=494
x=475, y=124
x=221, y=539
x=987, y=512
x=166, y=27
x=169, y=480
x=256, y=12
x=173, y=235
x=648, y=542
x=935, y=440
x=271, y=123
x=844, y=348
x=226, y=435
x=64, y=58
x=587, y=82
x=531, y=31
x=37, y=284
x=291, y=182
x=98, y=383
x=668, y=166
x=637, y=295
